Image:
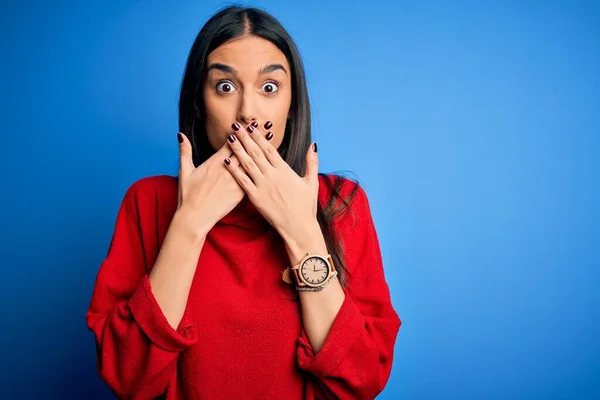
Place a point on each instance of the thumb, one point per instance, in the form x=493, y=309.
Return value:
x=186, y=164
x=312, y=163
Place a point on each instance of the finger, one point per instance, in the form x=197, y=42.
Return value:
x=312, y=164
x=186, y=163
x=246, y=162
x=225, y=152
x=234, y=160
x=264, y=143
x=240, y=176
x=252, y=149
x=265, y=128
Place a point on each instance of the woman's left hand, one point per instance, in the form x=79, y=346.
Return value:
x=287, y=201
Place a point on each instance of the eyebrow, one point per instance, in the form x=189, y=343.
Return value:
x=230, y=70
x=271, y=68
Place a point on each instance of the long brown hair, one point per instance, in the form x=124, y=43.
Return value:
x=228, y=24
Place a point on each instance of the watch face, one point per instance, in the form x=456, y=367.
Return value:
x=314, y=270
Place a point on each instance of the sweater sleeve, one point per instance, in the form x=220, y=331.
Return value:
x=355, y=360
x=137, y=349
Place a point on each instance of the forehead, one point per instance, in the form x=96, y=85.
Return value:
x=248, y=54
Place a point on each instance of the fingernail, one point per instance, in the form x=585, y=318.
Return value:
x=231, y=138
x=269, y=136
x=227, y=161
x=315, y=147
x=254, y=124
x=250, y=128
x=236, y=126
x=268, y=125
x=180, y=138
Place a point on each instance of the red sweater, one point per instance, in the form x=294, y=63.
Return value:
x=241, y=335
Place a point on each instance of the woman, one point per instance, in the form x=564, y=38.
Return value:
x=250, y=275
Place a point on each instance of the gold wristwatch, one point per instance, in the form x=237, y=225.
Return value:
x=313, y=272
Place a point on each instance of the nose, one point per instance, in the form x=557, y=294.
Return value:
x=247, y=108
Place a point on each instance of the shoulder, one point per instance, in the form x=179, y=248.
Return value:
x=342, y=196
x=151, y=185
x=150, y=192
x=328, y=183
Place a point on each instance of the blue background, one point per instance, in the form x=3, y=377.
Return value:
x=473, y=126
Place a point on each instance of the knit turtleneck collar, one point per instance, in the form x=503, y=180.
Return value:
x=245, y=216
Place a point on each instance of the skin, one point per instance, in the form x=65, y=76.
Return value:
x=287, y=201
x=244, y=95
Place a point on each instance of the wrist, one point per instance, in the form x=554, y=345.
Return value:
x=184, y=221
x=308, y=238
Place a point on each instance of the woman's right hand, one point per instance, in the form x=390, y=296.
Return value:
x=208, y=192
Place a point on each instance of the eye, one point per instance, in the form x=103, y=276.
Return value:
x=225, y=87
x=270, y=87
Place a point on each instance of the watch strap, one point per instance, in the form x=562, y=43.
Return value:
x=315, y=289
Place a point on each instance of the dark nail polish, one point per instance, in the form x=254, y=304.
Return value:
x=236, y=126
x=250, y=128
x=269, y=136
x=254, y=124
x=180, y=138
x=268, y=125
x=227, y=161
x=315, y=146
x=231, y=138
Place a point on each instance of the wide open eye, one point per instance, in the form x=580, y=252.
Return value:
x=270, y=87
x=225, y=87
